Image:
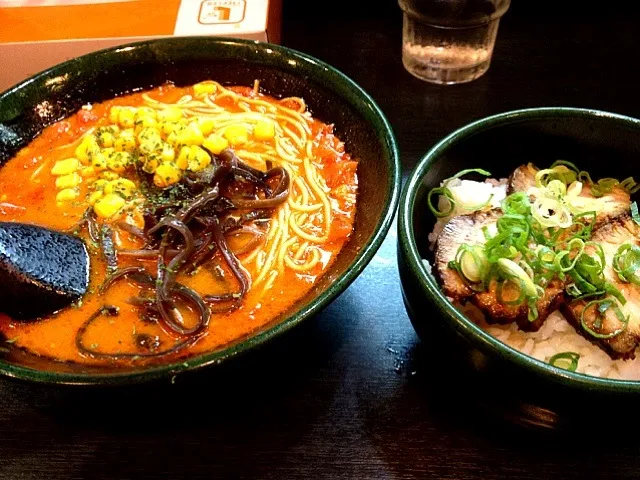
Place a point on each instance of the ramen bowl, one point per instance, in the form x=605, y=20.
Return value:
x=605, y=144
x=330, y=96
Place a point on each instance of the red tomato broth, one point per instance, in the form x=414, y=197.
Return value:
x=32, y=200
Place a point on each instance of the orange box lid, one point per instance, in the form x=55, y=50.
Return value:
x=45, y=20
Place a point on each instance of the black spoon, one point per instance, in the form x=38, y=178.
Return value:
x=41, y=270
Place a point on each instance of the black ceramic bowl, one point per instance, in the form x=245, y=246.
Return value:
x=603, y=143
x=332, y=97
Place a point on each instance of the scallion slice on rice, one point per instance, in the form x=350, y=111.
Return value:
x=566, y=360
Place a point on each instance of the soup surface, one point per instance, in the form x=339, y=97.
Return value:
x=266, y=192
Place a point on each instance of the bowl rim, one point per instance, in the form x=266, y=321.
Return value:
x=362, y=258
x=429, y=286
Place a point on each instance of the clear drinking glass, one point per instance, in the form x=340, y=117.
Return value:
x=449, y=41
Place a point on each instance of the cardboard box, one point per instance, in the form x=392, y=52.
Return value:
x=37, y=34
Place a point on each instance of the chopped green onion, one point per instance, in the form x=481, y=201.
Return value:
x=614, y=292
x=560, y=172
x=634, y=213
x=486, y=233
x=472, y=263
x=551, y=212
x=599, y=252
x=601, y=307
x=566, y=360
x=546, y=256
x=471, y=170
x=477, y=206
x=521, y=291
x=573, y=290
x=565, y=163
x=556, y=189
x=608, y=183
x=532, y=314
x=629, y=185
x=515, y=271
x=626, y=263
x=586, y=227
x=527, y=269
x=446, y=193
x=517, y=203
x=584, y=177
x=566, y=253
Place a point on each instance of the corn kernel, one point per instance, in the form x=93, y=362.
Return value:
x=149, y=148
x=106, y=139
x=183, y=158
x=119, y=161
x=65, y=167
x=150, y=140
x=145, y=122
x=167, y=127
x=171, y=114
x=149, y=134
x=107, y=175
x=100, y=184
x=236, y=134
x=109, y=205
x=119, y=144
x=143, y=112
x=264, y=130
x=68, y=181
x=126, y=117
x=215, y=144
x=88, y=172
x=87, y=149
x=114, y=114
x=113, y=129
x=206, y=125
x=167, y=174
x=67, y=195
x=122, y=186
x=110, y=187
x=99, y=161
x=168, y=153
x=204, y=88
x=199, y=159
x=126, y=141
x=150, y=165
x=192, y=135
x=94, y=197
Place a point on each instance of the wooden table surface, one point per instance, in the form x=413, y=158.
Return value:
x=353, y=393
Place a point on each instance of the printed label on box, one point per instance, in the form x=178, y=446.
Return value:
x=221, y=11
x=221, y=17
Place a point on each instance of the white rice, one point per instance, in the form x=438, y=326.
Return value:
x=556, y=335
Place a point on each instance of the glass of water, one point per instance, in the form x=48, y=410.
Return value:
x=449, y=41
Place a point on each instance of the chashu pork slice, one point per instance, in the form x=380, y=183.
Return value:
x=611, y=236
x=610, y=205
x=467, y=229
x=522, y=178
